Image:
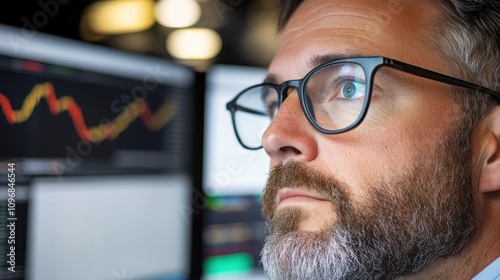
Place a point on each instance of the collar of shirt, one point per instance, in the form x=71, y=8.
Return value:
x=491, y=272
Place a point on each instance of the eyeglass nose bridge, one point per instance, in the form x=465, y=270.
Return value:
x=284, y=87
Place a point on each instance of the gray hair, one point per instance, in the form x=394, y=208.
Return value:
x=469, y=37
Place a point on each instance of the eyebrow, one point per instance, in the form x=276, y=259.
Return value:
x=272, y=79
x=315, y=61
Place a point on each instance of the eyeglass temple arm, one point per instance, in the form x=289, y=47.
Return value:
x=439, y=77
x=234, y=107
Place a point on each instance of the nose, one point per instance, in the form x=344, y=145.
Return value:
x=290, y=136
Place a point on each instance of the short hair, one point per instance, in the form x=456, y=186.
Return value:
x=468, y=35
x=284, y=11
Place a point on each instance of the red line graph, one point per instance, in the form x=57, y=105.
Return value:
x=111, y=130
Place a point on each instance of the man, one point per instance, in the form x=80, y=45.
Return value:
x=382, y=168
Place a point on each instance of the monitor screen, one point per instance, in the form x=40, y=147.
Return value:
x=104, y=227
x=96, y=161
x=233, y=179
x=230, y=169
x=80, y=107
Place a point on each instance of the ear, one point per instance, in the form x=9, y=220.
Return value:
x=489, y=177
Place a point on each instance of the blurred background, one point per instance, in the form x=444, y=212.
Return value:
x=236, y=32
x=115, y=129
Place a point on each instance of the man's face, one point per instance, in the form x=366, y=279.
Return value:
x=388, y=197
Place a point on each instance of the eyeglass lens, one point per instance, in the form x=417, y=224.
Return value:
x=334, y=99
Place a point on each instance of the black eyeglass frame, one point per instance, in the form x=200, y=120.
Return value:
x=370, y=65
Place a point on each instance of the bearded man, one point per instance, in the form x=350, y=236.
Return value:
x=382, y=123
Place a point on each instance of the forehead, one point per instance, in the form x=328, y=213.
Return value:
x=398, y=29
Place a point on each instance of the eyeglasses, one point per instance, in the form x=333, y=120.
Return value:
x=334, y=96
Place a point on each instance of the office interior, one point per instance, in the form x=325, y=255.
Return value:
x=118, y=158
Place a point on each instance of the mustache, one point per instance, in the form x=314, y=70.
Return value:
x=296, y=175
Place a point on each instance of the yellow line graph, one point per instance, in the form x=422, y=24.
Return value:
x=109, y=130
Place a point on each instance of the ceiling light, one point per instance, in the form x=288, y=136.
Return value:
x=194, y=44
x=125, y=16
x=177, y=13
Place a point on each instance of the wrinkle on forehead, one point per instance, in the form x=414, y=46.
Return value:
x=356, y=26
x=318, y=16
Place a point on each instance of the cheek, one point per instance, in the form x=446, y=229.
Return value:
x=374, y=159
x=380, y=150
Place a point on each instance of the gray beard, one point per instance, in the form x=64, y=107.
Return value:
x=410, y=223
x=340, y=254
x=295, y=257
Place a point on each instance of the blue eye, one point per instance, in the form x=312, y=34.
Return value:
x=349, y=90
x=352, y=89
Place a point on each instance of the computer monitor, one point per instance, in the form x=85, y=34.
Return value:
x=229, y=168
x=233, y=180
x=107, y=227
x=100, y=144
